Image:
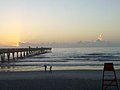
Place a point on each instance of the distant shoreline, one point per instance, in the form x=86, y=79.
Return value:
x=40, y=67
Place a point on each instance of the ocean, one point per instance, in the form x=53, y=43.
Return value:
x=92, y=58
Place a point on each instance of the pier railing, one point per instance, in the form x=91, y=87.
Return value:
x=15, y=53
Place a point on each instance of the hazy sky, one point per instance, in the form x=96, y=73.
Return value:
x=58, y=20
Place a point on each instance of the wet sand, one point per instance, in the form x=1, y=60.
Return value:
x=55, y=80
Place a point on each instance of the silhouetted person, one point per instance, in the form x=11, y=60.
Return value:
x=45, y=67
x=50, y=68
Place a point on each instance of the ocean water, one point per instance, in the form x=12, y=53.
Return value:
x=70, y=59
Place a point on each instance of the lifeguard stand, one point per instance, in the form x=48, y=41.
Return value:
x=109, y=81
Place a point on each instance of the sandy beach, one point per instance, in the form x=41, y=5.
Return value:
x=55, y=80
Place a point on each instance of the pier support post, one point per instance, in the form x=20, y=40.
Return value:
x=30, y=52
x=27, y=53
x=17, y=55
x=24, y=54
x=8, y=56
x=20, y=54
x=13, y=54
x=3, y=58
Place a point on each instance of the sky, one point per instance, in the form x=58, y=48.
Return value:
x=39, y=21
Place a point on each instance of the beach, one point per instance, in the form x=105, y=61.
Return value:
x=72, y=69
x=55, y=80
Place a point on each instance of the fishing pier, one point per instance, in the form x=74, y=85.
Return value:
x=12, y=54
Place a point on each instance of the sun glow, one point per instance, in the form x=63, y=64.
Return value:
x=10, y=33
x=17, y=43
x=10, y=39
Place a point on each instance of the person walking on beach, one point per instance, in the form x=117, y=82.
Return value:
x=50, y=68
x=45, y=67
